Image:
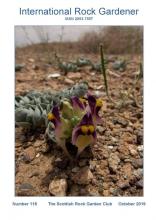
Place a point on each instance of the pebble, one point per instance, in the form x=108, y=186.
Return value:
x=26, y=186
x=99, y=87
x=74, y=76
x=53, y=75
x=117, y=192
x=114, y=140
x=120, y=121
x=139, y=184
x=92, y=165
x=31, y=60
x=138, y=173
x=35, y=173
x=132, y=151
x=75, y=169
x=69, y=81
x=106, y=193
x=101, y=129
x=137, y=163
x=82, y=163
x=105, y=186
x=140, y=148
x=127, y=169
x=124, y=185
x=83, y=176
x=37, y=155
x=140, y=137
x=110, y=147
x=113, y=162
x=92, y=73
x=29, y=154
x=58, y=187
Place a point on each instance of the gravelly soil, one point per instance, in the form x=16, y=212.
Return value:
x=113, y=166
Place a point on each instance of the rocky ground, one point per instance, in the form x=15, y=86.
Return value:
x=114, y=165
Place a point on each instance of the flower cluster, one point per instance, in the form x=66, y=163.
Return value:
x=75, y=121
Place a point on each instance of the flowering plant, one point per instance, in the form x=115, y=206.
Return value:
x=75, y=121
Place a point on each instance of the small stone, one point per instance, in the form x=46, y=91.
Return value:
x=29, y=154
x=106, y=193
x=138, y=173
x=75, y=169
x=92, y=191
x=83, y=176
x=37, y=155
x=58, y=187
x=110, y=147
x=140, y=137
x=140, y=148
x=53, y=75
x=127, y=160
x=92, y=165
x=124, y=185
x=26, y=187
x=35, y=173
x=116, y=192
x=139, y=184
x=113, y=162
x=82, y=163
x=31, y=60
x=114, y=140
x=132, y=151
x=127, y=170
x=74, y=76
x=120, y=121
x=105, y=186
x=92, y=73
x=69, y=81
x=99, y=87
x=137, y=163
x=101, y=129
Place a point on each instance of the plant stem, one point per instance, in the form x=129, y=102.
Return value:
x=103, y=70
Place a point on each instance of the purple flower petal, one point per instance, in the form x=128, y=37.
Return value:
x=54, y=116
x=77, y=103
x=95, y=106
x=84, y=133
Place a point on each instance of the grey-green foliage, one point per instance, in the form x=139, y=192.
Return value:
x=80, y=62
x=67, y=67
x=119, y=65
x=31, y=110
x=96, y=67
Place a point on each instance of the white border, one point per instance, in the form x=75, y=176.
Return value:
x=8, y=18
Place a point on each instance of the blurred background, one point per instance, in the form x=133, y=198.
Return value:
x=85, y=39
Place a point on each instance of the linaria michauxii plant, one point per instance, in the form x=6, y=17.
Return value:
x=75, y=122
x=69, y=116
x=31, y=110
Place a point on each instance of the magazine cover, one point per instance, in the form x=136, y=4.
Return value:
x=76, y=130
